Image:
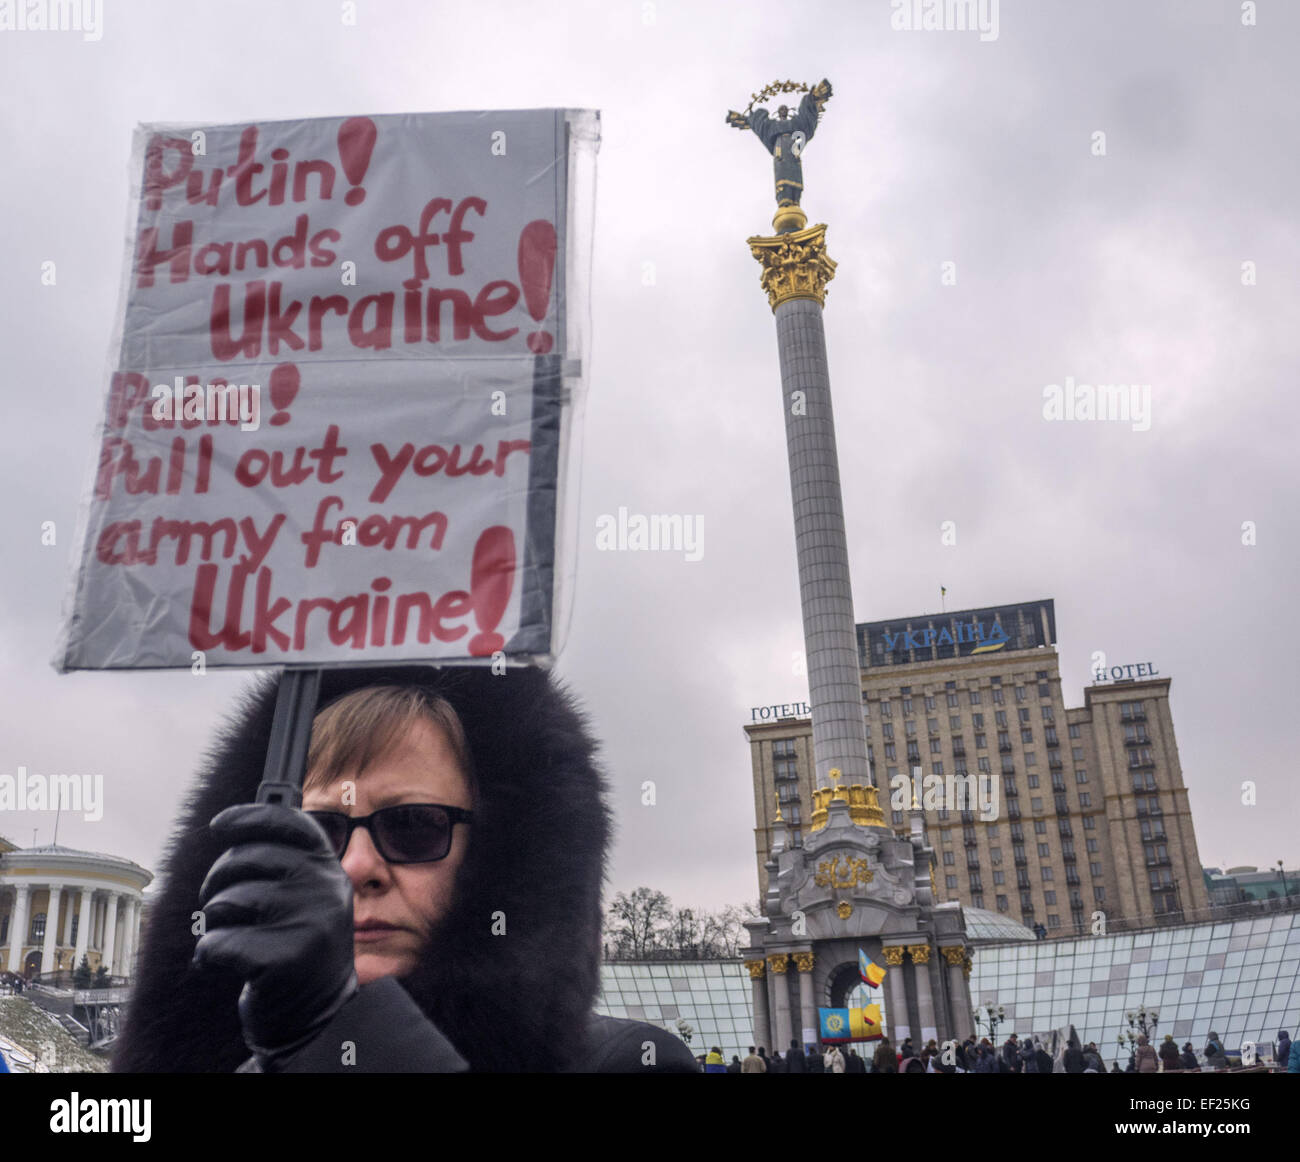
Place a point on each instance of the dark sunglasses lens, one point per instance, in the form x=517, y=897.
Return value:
x=412, y=832
x=335, y=828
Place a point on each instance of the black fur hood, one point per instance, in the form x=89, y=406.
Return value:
x=518, y=1001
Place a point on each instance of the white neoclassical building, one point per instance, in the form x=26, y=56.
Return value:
x=58, y=904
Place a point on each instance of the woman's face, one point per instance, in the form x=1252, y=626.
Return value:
x=396, y=906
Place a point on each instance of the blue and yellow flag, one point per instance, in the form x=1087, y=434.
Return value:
x=850, y=1024
x=870, y=972
x=834, y=1024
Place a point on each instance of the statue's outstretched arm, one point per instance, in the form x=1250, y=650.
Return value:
x=758, y=122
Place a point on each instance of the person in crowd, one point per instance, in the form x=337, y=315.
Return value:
x=833, y=1060
x=884, y=1059
x=854, y=1063
x=913, y=1065
x=813, y=1060
x=715, y=1062
x=1043, y=1059
x=906, y=1050
x=1074, y=1062
x=1028, y=1063
x=367, y=917
x=1283, y=1057
x=988, y=1058
x=1293, y=1060
x=1145, y=1059
x=735, y=1066
x=1187, y=1059
x=754, y=1063
x=776, y=1063
x=1092, y=1059
x=1011, y=1054
x=1169, y=1054
x=795, y=1060
x=767, y=1061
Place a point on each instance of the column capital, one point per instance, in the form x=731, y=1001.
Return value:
x=756, y=968
x=778, y=962
x=893, y=954
x=920, y=953
x=954, y=954
x=795, y=266
x=804, y=961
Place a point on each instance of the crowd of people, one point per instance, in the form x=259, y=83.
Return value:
x=972, y=1056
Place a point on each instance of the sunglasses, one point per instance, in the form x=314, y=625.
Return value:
x=406, y=833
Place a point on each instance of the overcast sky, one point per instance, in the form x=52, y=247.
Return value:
x=936, y=147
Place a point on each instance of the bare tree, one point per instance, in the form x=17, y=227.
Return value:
x=636, y=924
x=644, y=923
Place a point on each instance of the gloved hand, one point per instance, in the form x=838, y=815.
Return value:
x=278, y=911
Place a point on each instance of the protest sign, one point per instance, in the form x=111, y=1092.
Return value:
x=336, y=424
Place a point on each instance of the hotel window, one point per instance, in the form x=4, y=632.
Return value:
x=891, y=773
x=792, y=814
x=1044, y=690
x=1080, y=776
x=913, y=752
x=929, y=701
x=938, y=767
x=1099, y=894
x=1074, y=730
x=1076, y=752
x=4, y=929
x=1040, y=826
x=907, y=706
x=1043, y=851
x=981, y=742
x=984, y=764
x=1060, y=803
x=866, y=727
x=1085, y=800
x=1036, y=803
x=977, y=900
x=999, y=877
x=936, y=746
x=871, y=753
x=1002, y=903
x=1027, y=904
x=1008, y=765
x=1090, y=823
x=1091, y=845
x=909, y=728
x=1001, y=717
x=887, y=730
x=1033, y=782
x=976, y=883
x=1031, y=757
x=1144, y=780
x=954, y=722
x=997, y=696
x=1027, y=736
x=885, y=708
x=950, y=882
x=897, y=817
x=952, y=700
x=1095, y=868
x=932, y=725
x=1020, y=693
x=974, y=697
x=995, y=854
x=949, y=859
x=976, y=720
x=943, y=813
x=1047, y=714
x=1053, y=920
x=1049, y=898
x=890, y=751
x=38, y=926
x=1049, y=733
x=1024, y=714
x=1004, y=738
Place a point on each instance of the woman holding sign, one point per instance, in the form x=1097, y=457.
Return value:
x=434, y=908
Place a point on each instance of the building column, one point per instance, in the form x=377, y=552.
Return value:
x=110, y=932
x=958, y=993
x=51, y=928
x=128, y=936
x=18, y=926
x=920, y=954
x=898, y=1026
x=807, y=1010
x=758, y=990
x=65, y=937
x=83, y=926
x=781, y=1034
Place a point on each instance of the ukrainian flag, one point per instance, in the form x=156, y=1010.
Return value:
x=871, y=973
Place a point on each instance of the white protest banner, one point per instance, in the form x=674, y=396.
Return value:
x=336, y=427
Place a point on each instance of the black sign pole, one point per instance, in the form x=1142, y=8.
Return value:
x=286, y=753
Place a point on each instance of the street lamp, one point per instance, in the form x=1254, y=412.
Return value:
x=993, y=1019
x=1285, y=893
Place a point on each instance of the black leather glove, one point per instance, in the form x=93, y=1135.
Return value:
x=277, y=910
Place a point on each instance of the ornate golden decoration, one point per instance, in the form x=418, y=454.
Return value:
x=966, y=965
x=893, y=954
x=864, y=806
x=855, y=872
x=803, y=961
x=954, y=954
x=756, y=969
x=776, y=88
x=845, y=909
x=920, y=953
x=795, y=266
x=777, y=796
x=778, y=963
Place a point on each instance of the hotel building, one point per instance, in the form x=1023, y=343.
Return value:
x=1084, y=808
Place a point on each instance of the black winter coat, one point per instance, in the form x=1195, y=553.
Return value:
x=537, y=854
